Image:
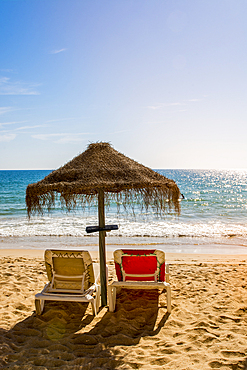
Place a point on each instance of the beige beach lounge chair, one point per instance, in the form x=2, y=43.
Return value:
x=140, y=269
x=71, y=276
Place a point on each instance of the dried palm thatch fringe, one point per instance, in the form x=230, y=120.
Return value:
x=102, y=167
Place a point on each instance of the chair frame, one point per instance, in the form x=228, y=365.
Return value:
x=51, y=293
x=137, y=284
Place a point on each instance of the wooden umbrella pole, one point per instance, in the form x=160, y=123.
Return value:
x=102, y=255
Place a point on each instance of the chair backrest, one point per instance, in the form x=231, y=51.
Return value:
x=140, y=264
x=69, y=263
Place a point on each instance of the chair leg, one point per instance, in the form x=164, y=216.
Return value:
x=114, y=293
x=94, y=308
x=168, y=296
x=112, y=298
x=39, y=305
x=97, y=298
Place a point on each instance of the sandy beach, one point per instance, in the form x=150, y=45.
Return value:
x=207, y=328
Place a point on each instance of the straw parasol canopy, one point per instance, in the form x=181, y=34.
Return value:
x=102, y=167
x=102, y=171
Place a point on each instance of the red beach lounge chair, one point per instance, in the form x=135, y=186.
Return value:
x=140, y=269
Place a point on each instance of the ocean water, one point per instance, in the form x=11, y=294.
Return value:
x=213, y=213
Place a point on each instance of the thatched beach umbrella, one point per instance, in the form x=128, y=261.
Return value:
x=102, y=171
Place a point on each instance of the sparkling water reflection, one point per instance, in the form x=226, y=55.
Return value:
x=214, y=206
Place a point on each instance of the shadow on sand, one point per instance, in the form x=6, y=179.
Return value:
x=68, y=336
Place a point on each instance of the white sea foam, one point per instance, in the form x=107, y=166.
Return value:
x=71, y=225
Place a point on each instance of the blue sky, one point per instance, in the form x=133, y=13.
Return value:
x=163, y=81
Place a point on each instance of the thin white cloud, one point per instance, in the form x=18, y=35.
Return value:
x=10, y=123
x=46, y=136
x=61, y=138
x=62, y=119
x=119, y=132
x=7, y=137
x=58, y=51
x=5, y=110
x=28, y=127
x=20, y=130
x=6, y=70
x=173, y=104
x=162, y=105
x=155, y=106
x=7, y=87
x=70, y=139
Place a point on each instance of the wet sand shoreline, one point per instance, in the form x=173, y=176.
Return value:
x=218, y=246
